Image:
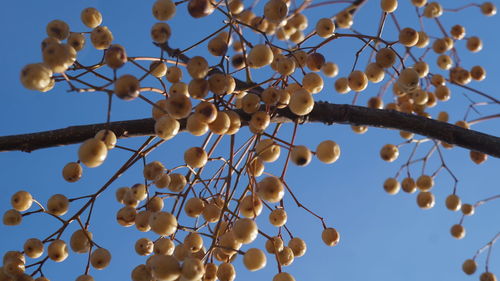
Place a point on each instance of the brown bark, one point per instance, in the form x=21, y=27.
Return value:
x=323, y=112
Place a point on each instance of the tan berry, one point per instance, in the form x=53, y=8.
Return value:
x=57, y=250
x=91, y=17
x=58, y=205
x=101, y=37
x=164, y=10
x=425, y=200
x=389, y=6
x=330, y=236
x=453, y=202
x=457, y=231
x=389, y=152
x=163, y=223
x=271, y=189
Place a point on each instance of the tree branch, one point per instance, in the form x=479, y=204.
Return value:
x=323, y=112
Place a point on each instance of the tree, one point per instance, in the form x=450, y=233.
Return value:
x=273, y=101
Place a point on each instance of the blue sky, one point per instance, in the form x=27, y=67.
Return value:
x=383, y=237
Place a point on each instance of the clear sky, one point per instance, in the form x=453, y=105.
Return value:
x=383, y=237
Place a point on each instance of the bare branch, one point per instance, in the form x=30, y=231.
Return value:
x=323, y=112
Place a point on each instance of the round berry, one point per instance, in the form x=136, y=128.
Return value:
x=195, y=157
x=91, y=17
x=330, y=236
x=425, y=200
x=92, y=152
x=164, y=9
x=469, y=266
x=389, y=6
x=57, y=250
x=391, y=185
x=254, y=259
x=457, y=231
x=389, y=152
x=101, y=37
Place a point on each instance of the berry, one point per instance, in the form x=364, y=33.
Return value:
x=160, y=32
x=58, y=205
x=487, y=276
x=298, y=246
x=57, y=250
x=80, y=242
x=389, y=6
x=195, y=157
x=425, y=182
x=245, y=230
x=275, y=10
x=385, y=57
x=33, y=248
x=328, y=151
x=108, y=137
x=163, y=223
x=301, y=102
x=101, y=37
x=300, y=155
x=21, y=200
x=91, y=17
x=457, y=231
x=259, y=56
x=389, y=152
x=200, y=8
x=164, y=10
x=36, y=76
x=283, y=276
x=357, y=81
x=270, y=189
x=488, y=9
x=278, y=217
x=391, y=186
x=433, y=10
x=254, y=259
x=469, y=266
x=325, y=27
x=425, y=200
x=453, y=202
x=58, y=29
x=127, y=87
x=330, y=236
x=408, y=37
x=164, y=267
x=226, y=272
x=12, y=217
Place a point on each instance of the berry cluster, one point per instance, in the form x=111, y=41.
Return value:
x=203, y=211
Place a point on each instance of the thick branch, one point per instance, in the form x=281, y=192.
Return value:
x=323, y=112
